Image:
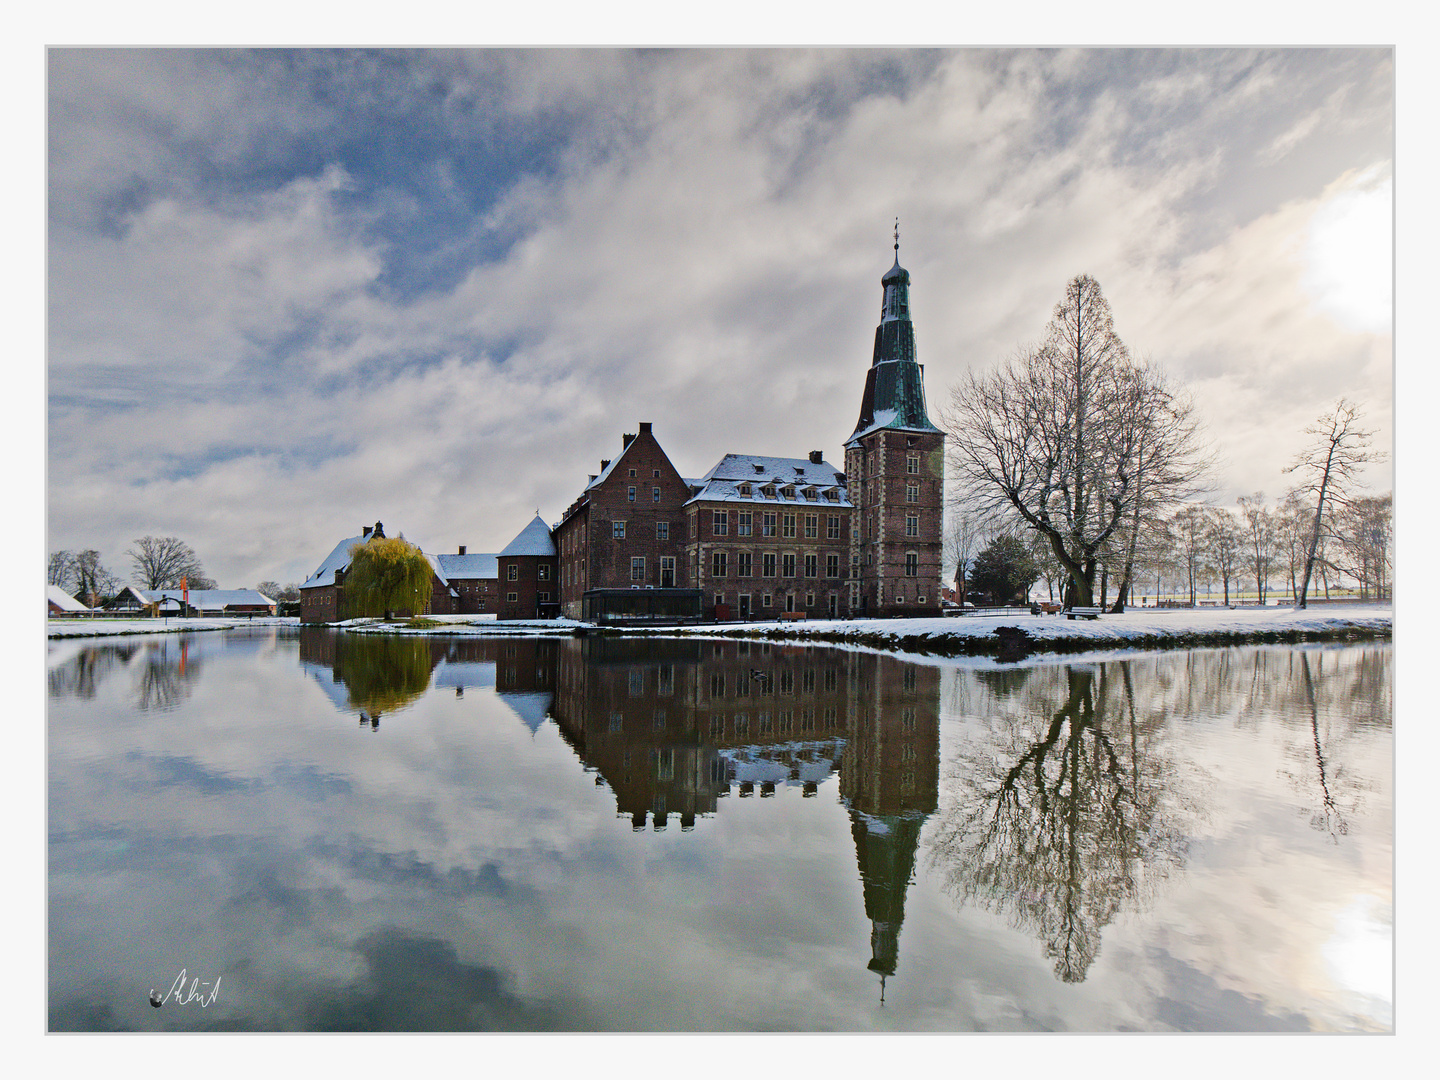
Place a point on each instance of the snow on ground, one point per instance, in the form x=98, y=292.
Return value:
x=1145, y=627
x=81, y=628
x=1138, y=625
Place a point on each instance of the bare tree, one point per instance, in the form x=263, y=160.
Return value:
x=1172, y=465
x=1223, y=542
x=1362, y=532
x=162, y=562
x=94, y=584
x=1329, y=470
x=1188, y=527
x=1068, y=435
x=1259, y=540
x=966, y=532
x=61, y=570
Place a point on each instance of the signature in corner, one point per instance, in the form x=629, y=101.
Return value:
x=182, y=996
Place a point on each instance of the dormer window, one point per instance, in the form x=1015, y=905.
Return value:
x=768, y=491
x=788, y=492
x=745, y=490
x=760, y=468
x=810, y=494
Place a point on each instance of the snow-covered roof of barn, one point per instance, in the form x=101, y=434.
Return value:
x=211, y=599
x=534, y=539
x=63, y=600
x=744, y=477
x=336, y=560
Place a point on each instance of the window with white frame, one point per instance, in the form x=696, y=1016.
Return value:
x=720, y=522
x=743, y=522
x=787, y=526
x=767, y=525
x=833, y=527
x=742, y=564
x=912, y=492
x=912, y=524
x=662, y=530
x=619, y=530
x=512, y=572
x=812, y=526
x=912, y=463
x=717, y=563
x=637, y=569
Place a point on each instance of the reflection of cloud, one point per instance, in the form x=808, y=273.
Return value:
x=414, y=982
x=1193, y=1001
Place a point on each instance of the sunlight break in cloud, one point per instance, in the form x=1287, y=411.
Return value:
x=1348, y=254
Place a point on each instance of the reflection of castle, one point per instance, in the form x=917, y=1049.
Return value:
x=673, y=727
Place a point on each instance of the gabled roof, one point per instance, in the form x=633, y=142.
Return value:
x=534, y=539
x=338, y=559
x=724, y=482
x=468, y=567
x=63, y=600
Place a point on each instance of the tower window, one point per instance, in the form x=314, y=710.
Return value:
x=912, y=524
x=912, y=463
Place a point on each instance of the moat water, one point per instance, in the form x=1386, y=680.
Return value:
x=335, y=832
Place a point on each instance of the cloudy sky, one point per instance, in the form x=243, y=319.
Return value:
x=291, y=293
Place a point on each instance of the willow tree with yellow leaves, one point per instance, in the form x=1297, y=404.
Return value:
x=387, y=576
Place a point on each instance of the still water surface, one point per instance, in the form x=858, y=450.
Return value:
x=336, y=832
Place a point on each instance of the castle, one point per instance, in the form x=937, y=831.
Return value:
x=756, y=537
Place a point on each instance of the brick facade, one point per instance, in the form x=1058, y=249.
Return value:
x=627, y=529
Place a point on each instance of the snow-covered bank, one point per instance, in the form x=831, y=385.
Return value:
x=82, y=628
x=1146, y=628
x=1142, y=628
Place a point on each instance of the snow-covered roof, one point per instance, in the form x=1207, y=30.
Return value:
x=209, y=599
x=63, y=600
x=735, y=474
x=534, y=539
x=532, y=706
x=336, y=560
x=468, y=567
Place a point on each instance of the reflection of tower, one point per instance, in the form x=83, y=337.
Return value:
x=890, y=780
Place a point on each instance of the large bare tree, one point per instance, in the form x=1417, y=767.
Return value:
x=1068, y=435
x=1329, y=472
x=162, y=562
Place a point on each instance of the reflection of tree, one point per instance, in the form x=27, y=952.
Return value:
x=1061, y=828
x=383, y=673
x=166, y=679
x=82, y=674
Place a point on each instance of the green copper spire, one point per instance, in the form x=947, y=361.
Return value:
x=894, y=390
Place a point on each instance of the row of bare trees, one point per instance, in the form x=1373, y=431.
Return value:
x=1097, y=460
x=157, y=562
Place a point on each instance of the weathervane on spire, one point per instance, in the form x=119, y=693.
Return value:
x=897, y=238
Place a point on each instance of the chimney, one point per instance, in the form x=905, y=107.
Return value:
x=816, y=456
x=645, y=429
x=604, y=464
x=462, y=549
x=626, y=440
x=380, y=530
x=365, y=533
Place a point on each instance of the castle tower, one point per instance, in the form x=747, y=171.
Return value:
x=895, y=468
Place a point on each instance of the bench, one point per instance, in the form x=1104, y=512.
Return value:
x=1083, y=612
x=791, y=616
